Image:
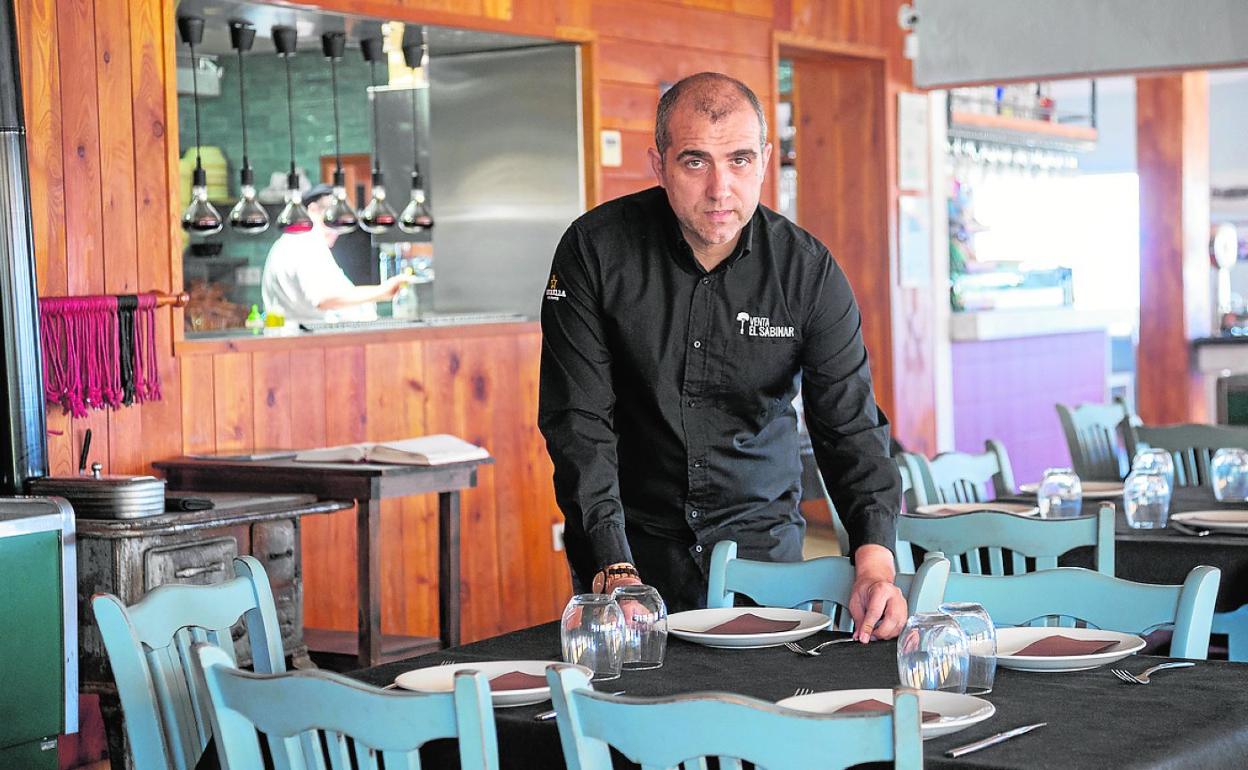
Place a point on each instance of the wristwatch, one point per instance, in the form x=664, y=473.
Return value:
x=604, y=575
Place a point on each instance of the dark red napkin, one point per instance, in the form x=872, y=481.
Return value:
x=871, y=704
x=517, y=680
x=750, y=623
x=1058, y=646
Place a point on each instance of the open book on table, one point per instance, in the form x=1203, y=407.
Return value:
x=439, y=449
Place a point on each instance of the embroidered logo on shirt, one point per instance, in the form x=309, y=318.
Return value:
x=553, y=292
x=760, y=326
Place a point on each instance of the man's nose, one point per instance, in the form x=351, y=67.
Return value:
x=718, y=183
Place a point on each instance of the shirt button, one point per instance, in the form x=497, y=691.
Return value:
x=698, y=548
x=694, y=514
x=693, y=402
x=699, y=463
x=697, y=343
x=706, y=281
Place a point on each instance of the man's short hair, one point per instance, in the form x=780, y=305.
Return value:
x=713, y=97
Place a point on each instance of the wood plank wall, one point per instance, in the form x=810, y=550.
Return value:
x=96, y=81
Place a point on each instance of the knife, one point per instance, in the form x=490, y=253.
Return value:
x=992, y=740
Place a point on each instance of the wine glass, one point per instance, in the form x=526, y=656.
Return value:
x=933, y=653
x=645, y=626
x=1229, y=472
x=1060, y=495
x=592, y=634
x=1146, y=500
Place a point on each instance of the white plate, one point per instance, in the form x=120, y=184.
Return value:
x=949, y=509
x=1092, y=490
x=691, y=625
x=956, y=711
x=442, y=679
x=1229, y=520
x=1011, y=640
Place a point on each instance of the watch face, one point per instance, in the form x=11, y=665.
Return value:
x=1225, y=245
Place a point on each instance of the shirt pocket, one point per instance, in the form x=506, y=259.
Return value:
x=757, y=375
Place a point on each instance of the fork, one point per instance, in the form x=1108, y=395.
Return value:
x=814, y=651
x=1142, y=677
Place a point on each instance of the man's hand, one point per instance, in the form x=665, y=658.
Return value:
x=630, y=607
x=875, y=603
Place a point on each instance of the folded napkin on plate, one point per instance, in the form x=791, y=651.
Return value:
x=750, y=623
x=871, y=704
x=186, y=503
x=517, y=680
x=1058, y=646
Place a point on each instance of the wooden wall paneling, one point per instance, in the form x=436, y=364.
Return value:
x=232, y=401
x=329, y=544
x=307, y=398
x=643, y=63
x=667, y=25
x=843, y=189
x=272, y=399
x=629, y=106
x=551, y=13
x=38, y=42
x=1172, y=154
x=395, y=408
x=152, y=148
x=163, y=420
x=457, y=371
x=198, y=405
x=618, y=186
x=80, y=146
x=856, y=21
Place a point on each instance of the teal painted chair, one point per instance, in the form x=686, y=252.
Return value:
x=666, y=732
x=959, y=477
x=1100, y=601
x=1192, y=447
x=1092, y=435
x=149, y=650
x=985, y=542
x=826, y=580
x=842, y=535
x=315, y=719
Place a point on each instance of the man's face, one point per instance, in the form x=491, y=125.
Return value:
x=713, y=173
x=316, y=210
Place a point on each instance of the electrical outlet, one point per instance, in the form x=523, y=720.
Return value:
x=247, y=276
x=612, y=151
x=556, y=536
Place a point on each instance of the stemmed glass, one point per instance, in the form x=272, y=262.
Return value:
x=1060, y=495
x=1229, y=472
x=933, y=653
x=592, y=634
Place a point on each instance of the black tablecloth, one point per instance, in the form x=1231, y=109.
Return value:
x=1165, y=556
x=1192, y=718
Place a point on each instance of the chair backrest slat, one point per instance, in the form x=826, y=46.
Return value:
x=1191, y=446
x=1101, y=600
x=355, y=719
x=148, y=646
x=1092, y=436
x=663, y=733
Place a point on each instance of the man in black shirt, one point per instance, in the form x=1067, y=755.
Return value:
x=677, y=325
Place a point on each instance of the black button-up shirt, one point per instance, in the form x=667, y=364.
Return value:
x=666, y=390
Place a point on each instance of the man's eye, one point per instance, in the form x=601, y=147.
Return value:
x=741, y=162
x=693, y=164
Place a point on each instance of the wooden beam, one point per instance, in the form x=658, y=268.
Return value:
x=1172, y=151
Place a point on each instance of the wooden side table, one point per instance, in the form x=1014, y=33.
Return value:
x=367, y=484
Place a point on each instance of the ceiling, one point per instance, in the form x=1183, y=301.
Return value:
x=310, y=23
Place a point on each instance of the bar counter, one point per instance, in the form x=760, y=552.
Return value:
x=245, y=340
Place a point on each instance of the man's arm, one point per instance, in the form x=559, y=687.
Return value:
x=850, y=439
x=358, y=295
x=576, y=402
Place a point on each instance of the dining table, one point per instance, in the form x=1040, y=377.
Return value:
x=1184, y=718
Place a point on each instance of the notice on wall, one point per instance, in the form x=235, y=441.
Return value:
x=914, y=241
x=912, y=114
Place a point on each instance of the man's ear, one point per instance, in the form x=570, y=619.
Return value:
x=766, y=157
x=656, y=164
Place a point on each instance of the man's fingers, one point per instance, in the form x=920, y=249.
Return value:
x=877, y=600
x=894, y=616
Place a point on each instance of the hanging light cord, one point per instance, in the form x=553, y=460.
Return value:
x=415, y=149
x=333, y=76
x=290, y=114
x=242, y=107
x=195, y=93
x=376, y=136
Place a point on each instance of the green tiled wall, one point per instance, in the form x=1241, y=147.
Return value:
x=267, y=135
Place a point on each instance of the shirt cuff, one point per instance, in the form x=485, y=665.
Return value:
x=610, y=544
x=875, y=526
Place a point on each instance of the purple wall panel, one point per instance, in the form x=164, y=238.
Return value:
x=1007, y=389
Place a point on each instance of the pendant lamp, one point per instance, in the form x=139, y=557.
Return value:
x=200, y=217
x=294, y=217
x=248, y=216
x=339, y=216
x=377, y=216
x=416, y=217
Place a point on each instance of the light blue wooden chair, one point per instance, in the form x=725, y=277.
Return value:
x=826, y=580
x=959, y=477
x=1100, y=601
x=982, y=542
x=316, y=719
x=1192, y=447
x=666, y=732
x=149, y=650
x=1096, y=448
